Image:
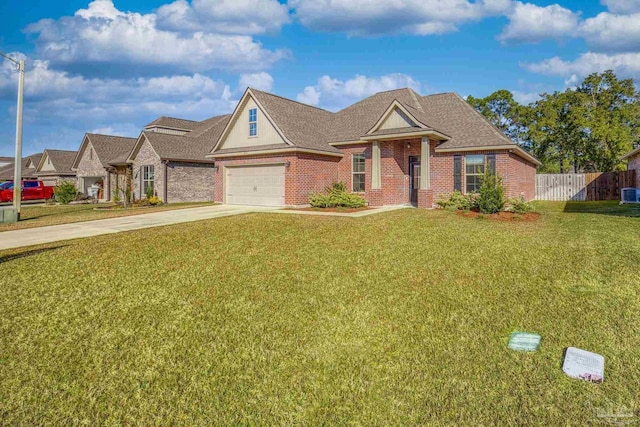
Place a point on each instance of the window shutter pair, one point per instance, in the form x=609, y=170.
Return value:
x=490, y=162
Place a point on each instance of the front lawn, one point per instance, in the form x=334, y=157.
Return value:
x=400, y=318
x=43, y=215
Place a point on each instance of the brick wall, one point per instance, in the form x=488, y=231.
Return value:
x=147, y=156
x=306, y=174
x=634, y=164
x=90, y=166
x=189, y=182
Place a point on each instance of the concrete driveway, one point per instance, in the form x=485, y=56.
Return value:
x=76, y=230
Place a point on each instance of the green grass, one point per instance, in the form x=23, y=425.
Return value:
x=268, y=319
x=41, y=215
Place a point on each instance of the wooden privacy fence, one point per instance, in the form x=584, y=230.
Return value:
x=583, y=186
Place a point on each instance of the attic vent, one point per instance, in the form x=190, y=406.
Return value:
x=630, y=195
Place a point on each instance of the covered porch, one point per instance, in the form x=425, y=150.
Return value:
x=401, y=167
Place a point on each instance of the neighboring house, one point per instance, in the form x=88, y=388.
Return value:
x=395, y=147
x=171, y=160
x=172, y=126
x=633, y=159
x=29, y=165
x=93, y=163
x=55, y=166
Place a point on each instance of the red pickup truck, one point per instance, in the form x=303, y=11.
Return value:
x=31, y=190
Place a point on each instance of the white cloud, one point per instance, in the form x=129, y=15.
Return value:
x=60, y=107
x=310, y=95
x=366, y=17
x=334, y=94
x=260, y=81
x=225, y=16
x=625, y=64
x=622, y=6
x=531, y=23
x=525, y=98
x=608, y=32
x=101, y=34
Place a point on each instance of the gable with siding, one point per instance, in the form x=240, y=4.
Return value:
x=238, y=134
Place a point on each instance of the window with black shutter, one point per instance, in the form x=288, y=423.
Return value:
x=457, y=173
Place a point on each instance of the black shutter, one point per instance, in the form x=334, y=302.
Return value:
x=457, y=173
x=491, y=163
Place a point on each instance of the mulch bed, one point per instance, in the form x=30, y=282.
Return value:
x=502, y=216
x=339, y=210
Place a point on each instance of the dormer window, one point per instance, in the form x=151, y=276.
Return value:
x=253, y=122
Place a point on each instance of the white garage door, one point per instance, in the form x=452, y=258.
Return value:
x=255, y=185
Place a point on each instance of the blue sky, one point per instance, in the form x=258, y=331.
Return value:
x=112, y=66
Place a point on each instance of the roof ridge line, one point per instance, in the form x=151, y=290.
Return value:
x=291, y=100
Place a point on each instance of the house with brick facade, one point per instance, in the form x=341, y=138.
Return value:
x=169, y=157
x=93, y=163
x=394, y=147
x=55, y=166
x=633, y=163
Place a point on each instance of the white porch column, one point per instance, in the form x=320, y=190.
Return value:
x=376, y=180
x=425, y=164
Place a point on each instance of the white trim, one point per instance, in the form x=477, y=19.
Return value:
x=406, y=135
x=349, y=142
x=235, y=114
x=274, y=151
x=510, y=148
x=353, y=157
x=395, y=104
x=376, y=170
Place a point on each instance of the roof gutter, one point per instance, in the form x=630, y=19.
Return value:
x=510, y=147
x=276, y=151
x=630, y=154
x=404, y=135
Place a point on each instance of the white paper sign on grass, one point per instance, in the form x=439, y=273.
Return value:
x=583, y=365
x=524, y=341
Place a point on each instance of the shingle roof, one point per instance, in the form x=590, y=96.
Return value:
x=303, y=125
x=393, y=131
x=35, y=159
x=467, y=128
x=350, y=123
x=174, y=123
x=178, y=147
x=6, y=172
x=108, y=147
x=61, y=160
x=630, y=154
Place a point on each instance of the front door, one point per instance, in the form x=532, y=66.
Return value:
x=414, y=179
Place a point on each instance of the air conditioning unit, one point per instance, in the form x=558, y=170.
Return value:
x=630, y=195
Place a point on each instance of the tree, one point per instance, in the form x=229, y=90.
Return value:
x=579, y=130
x=501, y=109
x=611, y=112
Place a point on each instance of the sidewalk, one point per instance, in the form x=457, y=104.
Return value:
x=55, y=233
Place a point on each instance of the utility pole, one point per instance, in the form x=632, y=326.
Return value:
x=17, y=168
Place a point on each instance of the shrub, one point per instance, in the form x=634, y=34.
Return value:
x=149, y=192
x=337, y=196
x=491, y=194
x=115, y=196
x=519, y=206
x=458, y=201
x=154, y=201
x=65, y=192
